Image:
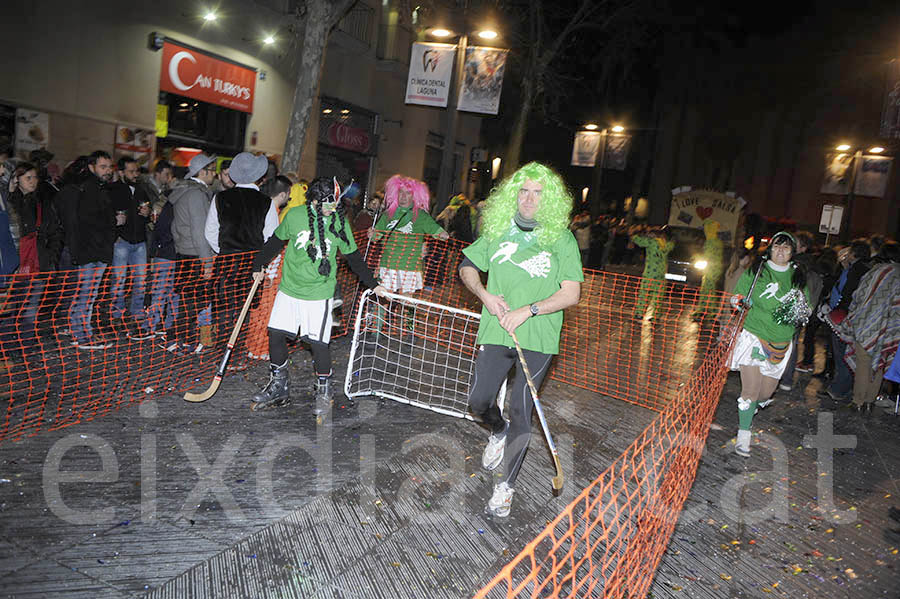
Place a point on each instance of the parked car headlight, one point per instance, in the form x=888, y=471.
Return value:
x=700, y=264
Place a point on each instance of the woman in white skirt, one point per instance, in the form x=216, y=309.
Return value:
x=778, y=303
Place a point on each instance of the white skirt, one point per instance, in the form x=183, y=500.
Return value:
x=312, y=318
x=744, y=355
x=404, y=281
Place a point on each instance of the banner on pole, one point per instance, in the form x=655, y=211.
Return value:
x=616, y=156
x=586, y=147
x=890, y=112
x=483, y=79
x=430, y=69
x=837, y=173
x=872, y=177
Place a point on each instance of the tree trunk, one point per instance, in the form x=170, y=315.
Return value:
x=520, y=126
x=321, y=16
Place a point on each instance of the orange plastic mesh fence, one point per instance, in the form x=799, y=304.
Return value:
x=660, y=345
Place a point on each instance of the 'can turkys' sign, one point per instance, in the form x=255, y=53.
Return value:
x=189, y=72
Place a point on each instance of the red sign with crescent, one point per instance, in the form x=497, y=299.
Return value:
x=191, y=73
x=348, y=138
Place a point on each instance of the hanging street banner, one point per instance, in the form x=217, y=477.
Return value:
x=32, y=131
x=430, y=69
x=890, y=111
x=483, y=79
x=586, y=147
x=872, y=176
x=837, y=173
x=189, y=72
x=691, y=207
x=616, y=156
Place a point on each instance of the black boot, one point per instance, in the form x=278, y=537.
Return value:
x=277, y=391
x=324, y=395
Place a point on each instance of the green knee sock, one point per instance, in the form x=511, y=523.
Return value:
x=746, y=409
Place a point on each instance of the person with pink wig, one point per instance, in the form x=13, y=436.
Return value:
x=403, y=226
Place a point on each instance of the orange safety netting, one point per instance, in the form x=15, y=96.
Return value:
x=660, y=345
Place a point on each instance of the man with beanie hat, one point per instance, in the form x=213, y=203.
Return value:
x=193, y=254
x=240, y=219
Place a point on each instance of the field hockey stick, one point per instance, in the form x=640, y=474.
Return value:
x=762, y=264
x=199, y=397
x=558, y=479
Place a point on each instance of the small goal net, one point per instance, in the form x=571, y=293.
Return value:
x=415, y=352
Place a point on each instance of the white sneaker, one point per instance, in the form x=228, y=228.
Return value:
x=784, y=387
x=493, y=451
x=742, y=444
x=762, y=405
x=501, y=501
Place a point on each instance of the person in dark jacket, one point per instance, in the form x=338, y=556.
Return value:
x=855, y=261
x=164, y=301
x=90, y=232
x=132, y=206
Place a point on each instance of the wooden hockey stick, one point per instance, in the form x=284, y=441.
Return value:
x=198, y=397
x=558, y=479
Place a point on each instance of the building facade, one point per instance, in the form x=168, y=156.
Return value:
x=97, y=74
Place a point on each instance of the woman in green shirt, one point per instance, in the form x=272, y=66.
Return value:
x=403, y=226
x=779, y=303
x=534, y=273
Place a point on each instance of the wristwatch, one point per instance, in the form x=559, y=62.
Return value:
x=534, y=309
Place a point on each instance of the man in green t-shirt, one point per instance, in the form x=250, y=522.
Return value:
x=303, y=302
x=534, y=273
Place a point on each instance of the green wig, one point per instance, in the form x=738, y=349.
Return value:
x=552, y=215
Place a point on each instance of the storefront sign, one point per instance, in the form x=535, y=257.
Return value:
x=483, y=80
x=584, y=151
x=872, y=177
x=690, y=208
x=32, y=131
x=137, y=143
x=348, y=138
x=430, y=68
x=191, y=73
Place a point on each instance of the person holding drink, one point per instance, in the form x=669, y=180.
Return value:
x=132, y=206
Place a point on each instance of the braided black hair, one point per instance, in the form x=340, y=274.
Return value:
x=340, y=210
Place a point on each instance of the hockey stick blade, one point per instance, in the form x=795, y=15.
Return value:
x=559, y=479
x=201, y=397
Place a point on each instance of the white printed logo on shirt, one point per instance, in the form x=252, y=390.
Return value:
x=536, y=266
x=407, y=228
x=302, y=240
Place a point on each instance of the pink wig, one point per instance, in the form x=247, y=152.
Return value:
x=417, y=189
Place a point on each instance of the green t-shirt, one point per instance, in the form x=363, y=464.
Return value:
x=523, y=272
x=403, y=250
x=770, y=288
x=300, y=276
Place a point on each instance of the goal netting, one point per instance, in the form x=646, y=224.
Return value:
x=414, y=352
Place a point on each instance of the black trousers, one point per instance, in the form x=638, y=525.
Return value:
x=491, y=367
x=195, y=292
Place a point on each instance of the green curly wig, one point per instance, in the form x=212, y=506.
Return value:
x=552, y=215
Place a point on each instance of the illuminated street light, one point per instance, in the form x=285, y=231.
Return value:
x=495, y=167
x=876, y=150
x=591, y=127
x=269, y=40
x=326, y=111
x=210, y=16
x=441, y=32
x=487, y=34
x=584, y=194
x=843, y=147
x=617, y=128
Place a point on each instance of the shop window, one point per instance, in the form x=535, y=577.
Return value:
x=7, y=126
x=215, y=128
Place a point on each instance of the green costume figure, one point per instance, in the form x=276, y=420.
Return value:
x=653, y=284
x=712, y=253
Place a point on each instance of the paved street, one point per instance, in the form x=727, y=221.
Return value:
x=387, y=501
